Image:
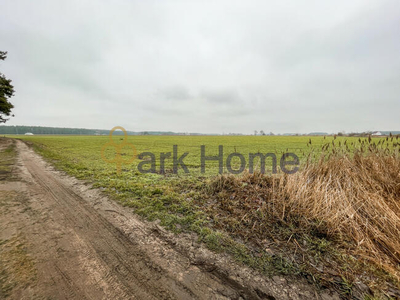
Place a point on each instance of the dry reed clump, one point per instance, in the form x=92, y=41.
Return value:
x=350, y=195
x=357, y=198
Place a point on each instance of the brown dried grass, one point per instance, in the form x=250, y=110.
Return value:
x=350, y=195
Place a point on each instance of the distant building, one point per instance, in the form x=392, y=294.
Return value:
x=377, y=133
x=29, y=133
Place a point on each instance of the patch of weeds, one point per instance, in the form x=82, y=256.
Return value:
x=7, y=161
x=317, y=247
x=347, y=286
x=17, y=268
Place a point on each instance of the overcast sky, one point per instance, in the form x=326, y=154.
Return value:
x=207, y=66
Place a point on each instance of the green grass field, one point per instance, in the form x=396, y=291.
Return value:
x=85, y=151
x=162, y=196
x=180, y=200
x=81, y=156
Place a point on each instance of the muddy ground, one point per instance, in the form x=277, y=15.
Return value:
x=62, y=239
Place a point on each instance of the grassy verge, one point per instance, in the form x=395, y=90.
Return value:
x=7, y=161
x=17, y=268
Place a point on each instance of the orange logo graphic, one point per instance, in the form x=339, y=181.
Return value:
x=118, y=160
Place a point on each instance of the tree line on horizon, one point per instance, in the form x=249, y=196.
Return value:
x=22, y=129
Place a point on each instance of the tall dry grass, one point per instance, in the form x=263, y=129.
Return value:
x=356, y=196
x=352, y=193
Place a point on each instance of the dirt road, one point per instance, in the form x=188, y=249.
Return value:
x=61, y=239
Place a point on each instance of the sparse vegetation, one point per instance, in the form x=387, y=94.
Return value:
x=7, y=161
x=17, y=268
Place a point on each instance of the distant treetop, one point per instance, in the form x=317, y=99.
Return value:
x=6, y=92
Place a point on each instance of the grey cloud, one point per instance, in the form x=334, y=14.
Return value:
x=220, y=96
x=176, y=92
x=185, y=66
